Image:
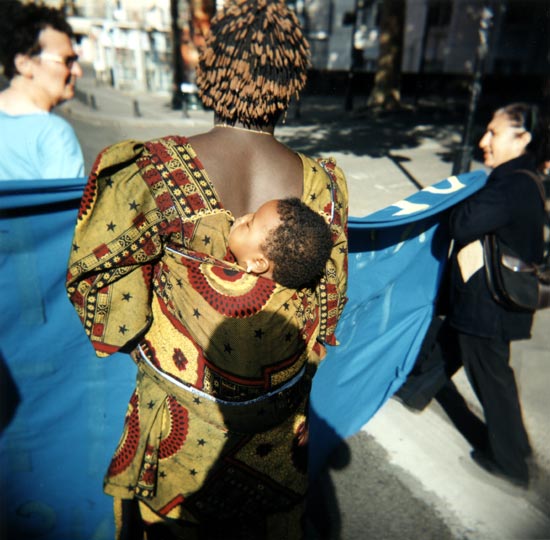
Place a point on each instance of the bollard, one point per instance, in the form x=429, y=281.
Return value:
x=93, y=103
x=137, y=112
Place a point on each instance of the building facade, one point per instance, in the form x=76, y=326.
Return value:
x=131, y=42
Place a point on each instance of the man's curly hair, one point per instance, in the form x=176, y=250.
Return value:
x=300, y=246
x=20, y=27
x=255, y=59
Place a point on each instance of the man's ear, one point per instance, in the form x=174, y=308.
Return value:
x=23, y=64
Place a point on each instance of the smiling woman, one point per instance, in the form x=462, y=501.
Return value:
x=41, y=65
x=477, y=331
x=508, y=134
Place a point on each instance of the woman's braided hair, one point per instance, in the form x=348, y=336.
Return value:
x=254, y=61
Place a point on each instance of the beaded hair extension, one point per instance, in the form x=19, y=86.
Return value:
x=254, y=61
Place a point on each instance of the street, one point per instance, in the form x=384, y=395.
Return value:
x=402, y=475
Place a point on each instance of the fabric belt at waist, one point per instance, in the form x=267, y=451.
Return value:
x=250, y=416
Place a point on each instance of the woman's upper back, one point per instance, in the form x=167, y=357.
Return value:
x=248, y=169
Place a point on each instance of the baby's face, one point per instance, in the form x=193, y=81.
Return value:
x=249, y=233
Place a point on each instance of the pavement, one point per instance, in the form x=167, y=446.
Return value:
x=386, y=157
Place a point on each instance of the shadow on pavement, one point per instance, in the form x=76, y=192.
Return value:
x=320, y=125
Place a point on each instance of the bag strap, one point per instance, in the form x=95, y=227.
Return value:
x=538, y=180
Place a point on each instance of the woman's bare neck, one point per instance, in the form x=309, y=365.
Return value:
x=248, y=169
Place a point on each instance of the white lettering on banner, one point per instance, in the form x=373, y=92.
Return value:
x=455, y=185
x=408, y=207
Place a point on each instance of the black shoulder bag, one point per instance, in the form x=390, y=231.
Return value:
x=513, y=283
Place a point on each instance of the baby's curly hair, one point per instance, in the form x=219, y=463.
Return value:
x=20, y=27
x=255, y=59
x=300, y=246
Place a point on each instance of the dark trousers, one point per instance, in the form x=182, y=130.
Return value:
x=486, y=362
x=438, y=360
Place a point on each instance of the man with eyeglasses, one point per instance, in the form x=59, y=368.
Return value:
x=41, y=66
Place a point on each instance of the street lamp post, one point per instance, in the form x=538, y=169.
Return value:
x=177, y=97
x=464, y=155
x=351, y=18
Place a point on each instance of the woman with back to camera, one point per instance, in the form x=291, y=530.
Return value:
x=215, y=438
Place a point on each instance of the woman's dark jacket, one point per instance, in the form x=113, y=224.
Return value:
x=509, y=205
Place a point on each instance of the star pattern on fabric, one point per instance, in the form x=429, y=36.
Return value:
x=76, y=247
x=179, y=359
x=206, y=240
x=259, y=334
x=127, y=296
x=109, y=182
x=179, y=283
x=122, y=329
x=313, y=196
x=193, y=472
x=196, y=313
x=197, y=400
x=201, y=442
x=227, y=348
x=130, y=487
x=286, y=306
x=314, y=169
x=151, y=404
x=133, y=205
x=162, y=474
x=288, y=336
x=111, y=226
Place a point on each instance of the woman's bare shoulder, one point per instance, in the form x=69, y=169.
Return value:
x=248, y=171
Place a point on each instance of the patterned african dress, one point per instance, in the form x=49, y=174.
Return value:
x=215, y=429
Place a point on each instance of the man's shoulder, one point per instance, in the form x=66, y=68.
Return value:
x=54, y=127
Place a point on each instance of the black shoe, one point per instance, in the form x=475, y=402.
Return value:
x=487, y=464
x=416, y=403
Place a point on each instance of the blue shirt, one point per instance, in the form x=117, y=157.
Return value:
x=38, y=146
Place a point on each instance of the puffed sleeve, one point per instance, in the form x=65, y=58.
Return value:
x=118, y=237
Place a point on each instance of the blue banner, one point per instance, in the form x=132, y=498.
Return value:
x=69, y=404
x=396, y=260
x=63, y=409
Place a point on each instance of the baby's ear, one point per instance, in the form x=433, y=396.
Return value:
x=258, y=265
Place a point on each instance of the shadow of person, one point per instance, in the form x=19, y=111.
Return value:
x=253, y=418
x=328, y=451
x=9, y=395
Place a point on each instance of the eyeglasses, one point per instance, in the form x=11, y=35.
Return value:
x=68, y=61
